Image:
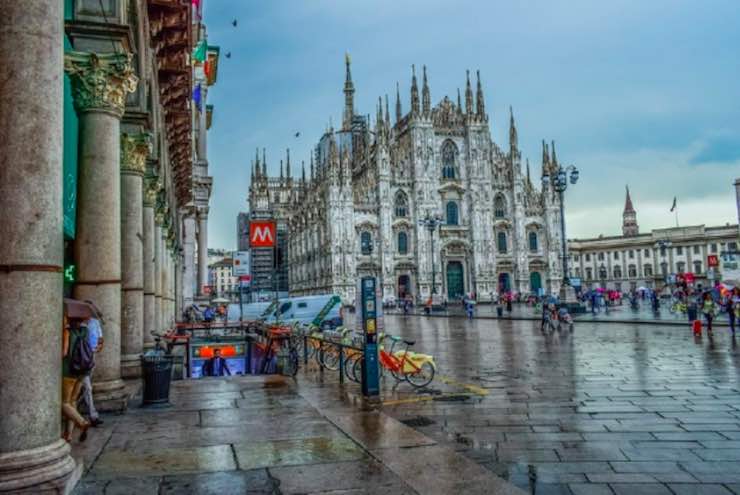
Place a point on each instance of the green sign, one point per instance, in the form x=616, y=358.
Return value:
x=70, y=273
x=69, y=167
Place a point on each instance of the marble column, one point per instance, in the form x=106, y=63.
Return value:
x=164, y=275
x=202, y=249
x=100, y=83
x=149, y=232
x=134, y=150
x=188, y=269
x=33, y=458
x=157, y=323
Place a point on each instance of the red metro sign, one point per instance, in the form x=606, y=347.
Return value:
x=262, y=234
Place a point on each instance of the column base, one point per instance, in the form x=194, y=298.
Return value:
x=110, y=396
x=46, y=470
x=131, y=366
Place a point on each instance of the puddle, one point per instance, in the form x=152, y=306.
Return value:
x=418, y=421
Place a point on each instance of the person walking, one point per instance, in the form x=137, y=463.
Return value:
x=95, y=339
x=72, y=332
x=733, y=308
x=216, y=366
x=708, y=309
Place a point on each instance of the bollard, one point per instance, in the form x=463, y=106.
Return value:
x=305, y=350
x=341, y=363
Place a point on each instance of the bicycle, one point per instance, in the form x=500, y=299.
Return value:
x=415, y=368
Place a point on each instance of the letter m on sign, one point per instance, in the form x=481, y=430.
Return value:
x=262, y=234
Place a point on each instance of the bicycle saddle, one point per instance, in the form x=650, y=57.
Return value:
x=409, y=342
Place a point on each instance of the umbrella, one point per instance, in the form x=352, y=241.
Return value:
x=642, y=288
x=78, y=309
x=220, y=300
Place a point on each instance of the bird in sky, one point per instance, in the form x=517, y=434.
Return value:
x=233, y=23
x=297, y=134
x=228, y=54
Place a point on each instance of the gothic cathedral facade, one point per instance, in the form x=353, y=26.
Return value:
x=428, y=205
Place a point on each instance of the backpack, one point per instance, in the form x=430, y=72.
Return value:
x=82, y=356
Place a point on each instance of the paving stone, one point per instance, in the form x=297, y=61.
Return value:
x=718, y=454
x=646, y=467
x=705, y=489
x=688, y=436
x=644, y=454
x=591, y=451
x=590, y=489
x=640, y=489
x=526, y=456
x=255, y=455
x=256, y=482
x=677, y=477
x=140, y=486
x=734, y=488
x=619, y=478
x=573, y=467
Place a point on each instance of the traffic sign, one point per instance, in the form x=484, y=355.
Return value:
x=241, y=265
x=262, y=234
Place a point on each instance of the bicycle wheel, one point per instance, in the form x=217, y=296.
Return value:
x=357, y=370
x=331, y=360
x=349, y=364
x=294, y=361
x=422, y=377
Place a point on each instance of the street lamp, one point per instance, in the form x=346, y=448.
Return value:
x=431, y=222
x=560, y=184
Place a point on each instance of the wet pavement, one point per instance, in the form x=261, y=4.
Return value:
x=607, y=409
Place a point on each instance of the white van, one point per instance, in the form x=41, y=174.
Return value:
x=324, y=311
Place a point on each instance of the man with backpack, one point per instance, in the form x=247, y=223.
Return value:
x=95, y=341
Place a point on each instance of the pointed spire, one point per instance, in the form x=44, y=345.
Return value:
x=468, y=95
x=398, y=104
x=426, y=99
x=513, y=137
x=349, y=92
x=529, y=178
x=252, y=178
x=545, y=158
x=628, y=208
x=414, y=92
x=480, y=104
x=256, y=168
x=553, y=158
x=264, y=164
x=387, y=114
x=312, y=169
x=281, y=170
x=459, y=101
x=379, y=114
x=287, y=167
x=303, y=172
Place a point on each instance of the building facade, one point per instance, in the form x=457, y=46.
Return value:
x=222, y=280
x=359, y=210
x=650, y=259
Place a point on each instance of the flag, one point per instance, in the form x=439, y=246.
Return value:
x=199, y=53
x=673, y=207
x=197, y=97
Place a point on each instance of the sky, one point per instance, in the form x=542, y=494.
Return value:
x=645, y=94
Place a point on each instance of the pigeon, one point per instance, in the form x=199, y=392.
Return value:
x=233, y=23
x=297, y=134
x=228, y=54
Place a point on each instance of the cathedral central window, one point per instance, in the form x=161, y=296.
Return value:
x=449, y=153
x=452, y=216
x=366, y=243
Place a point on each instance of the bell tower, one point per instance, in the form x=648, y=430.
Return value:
x=629, y=217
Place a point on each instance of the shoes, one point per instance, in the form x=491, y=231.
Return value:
x=83, y=433
x=96, y=422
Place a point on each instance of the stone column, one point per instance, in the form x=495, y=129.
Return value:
x=164, y=277
x=100, y=83
x=202, y=249
x=157, y=322
x=150, y=195
x=33, y=458
x=134, y=149
x=188, y=272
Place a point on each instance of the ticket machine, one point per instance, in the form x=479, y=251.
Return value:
x=371, y=314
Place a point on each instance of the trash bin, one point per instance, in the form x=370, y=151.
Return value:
x=499, y=311
x=157, y=373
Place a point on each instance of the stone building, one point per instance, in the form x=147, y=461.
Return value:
x=222, y=280
x=649, y=259
x=103, y=168
x=359, y=210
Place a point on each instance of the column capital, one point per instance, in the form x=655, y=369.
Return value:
x=151, y=187
x=100, y=82
x=202, y=212
x=134, y=150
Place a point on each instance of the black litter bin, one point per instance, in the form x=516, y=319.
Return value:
x=157, y=372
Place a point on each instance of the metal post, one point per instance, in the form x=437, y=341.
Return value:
x=434, y=271
x=565, y=242
x=341, y=363
x=241, y=306
x=305, y=350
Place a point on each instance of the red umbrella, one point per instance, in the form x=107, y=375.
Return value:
x=78, y=309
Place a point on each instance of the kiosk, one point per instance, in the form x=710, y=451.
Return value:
x=371, y=322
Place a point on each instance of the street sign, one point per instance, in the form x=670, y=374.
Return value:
x=262, y=234
x=575, y=282
x=713, y=260
x=241, y=265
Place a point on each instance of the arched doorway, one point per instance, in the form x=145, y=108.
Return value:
x=404, y=286
x=455, y=280
x=504, y=283
x=535, y=282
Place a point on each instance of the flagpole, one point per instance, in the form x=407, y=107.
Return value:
x=676, y=212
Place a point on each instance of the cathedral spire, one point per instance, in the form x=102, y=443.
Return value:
x=545, y=159
x=303, y=172
x=426, y=99
x=513, y=137
x=628, y=208
x=349, y=96
x=387, y=115
x=553, y=158
x=252, y=179
x=256, y=173
x=468, y=95
x=287, y=166
x=529, y=178
x=414, y=92
x=264, y=164
x=480, y=104
x=281, y=170
x=459, y=101
x=398, y=104
x=379, y=115
x=312, y=170
x=629, y=217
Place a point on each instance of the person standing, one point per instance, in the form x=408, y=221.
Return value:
x=216, y=366
x=95, y=339
x=733, y=308
x=71, y=382
x=708, y=308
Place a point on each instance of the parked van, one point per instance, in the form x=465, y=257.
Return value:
x=252, y=311
x=324, y=311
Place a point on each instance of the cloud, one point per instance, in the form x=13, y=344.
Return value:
x=719, y=149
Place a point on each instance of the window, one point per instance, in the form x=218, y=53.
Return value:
x=618, y=286
x=662, y=251
x=680, y=267
x=499, y=206
x=647, y=270
x=632, y=254
x=302, y=304
x=402, y=204
x=713, y=247
x=452, y=213
x=588, y=257
x=448, y=160
x=501, y=242
x=647, y=253
x=697, y=267
x=578, y=272
x=575, y=257
x=366, y=243
x=533, y=242
x=732, y=246
x=616, y=255
x=697, y=249
x=664, y=269
x=679, y=250
x=602, y=272
x=601, y=256
x=617, y=272
x=632, y=271
x=589, y=274
x=403, y=243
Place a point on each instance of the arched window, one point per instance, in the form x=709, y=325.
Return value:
x=499, y=206
x=452, y=217
x=403, y=243
x=366, y=243
x=533, y=244
x=402, y=204
x=632, y=271
x=449, y=153
x=501, y=242
x=617, y=272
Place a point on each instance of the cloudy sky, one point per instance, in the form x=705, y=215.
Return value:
x=633, y=92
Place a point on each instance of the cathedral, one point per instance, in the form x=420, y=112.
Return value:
x=428, y=204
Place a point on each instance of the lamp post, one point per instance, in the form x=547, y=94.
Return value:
x=431, y=222
x=559, y=182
